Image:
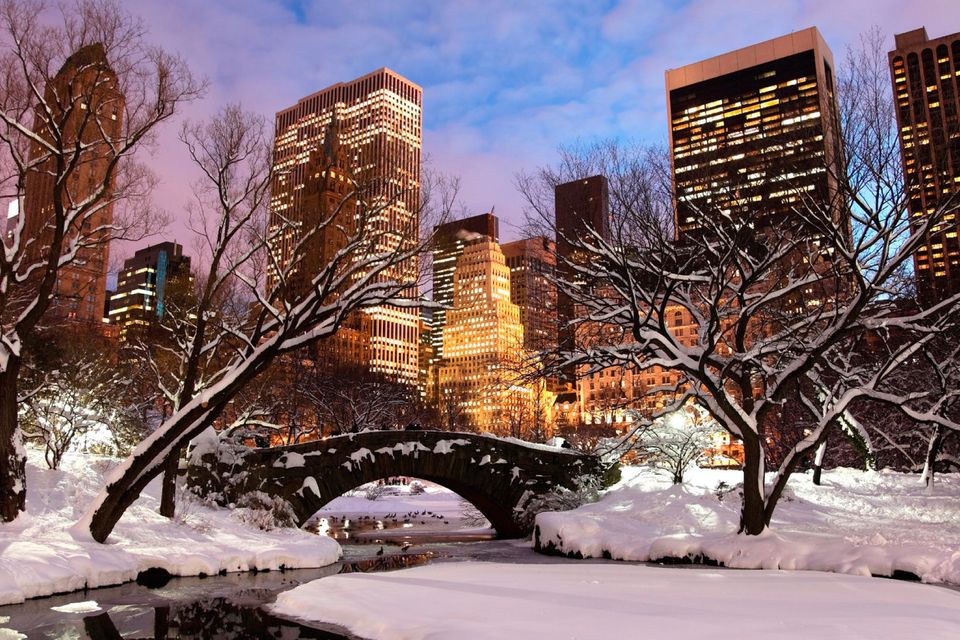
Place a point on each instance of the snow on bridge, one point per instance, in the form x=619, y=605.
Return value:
x=503, y=478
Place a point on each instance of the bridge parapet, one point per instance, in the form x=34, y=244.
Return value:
x=503, y=478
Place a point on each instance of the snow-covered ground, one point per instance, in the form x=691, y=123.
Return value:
x=397, y=508
x=586, y=601
x=856, y=522
x=39, y=556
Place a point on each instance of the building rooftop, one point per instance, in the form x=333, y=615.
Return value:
x=746, y=57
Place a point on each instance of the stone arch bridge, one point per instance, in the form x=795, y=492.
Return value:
x=502, y=478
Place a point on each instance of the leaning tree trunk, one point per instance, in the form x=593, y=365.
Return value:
x=144, y=464
x=13, y=460
x=149, y=458
x=752, y=513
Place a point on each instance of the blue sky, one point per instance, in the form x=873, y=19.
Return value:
x=505, y=83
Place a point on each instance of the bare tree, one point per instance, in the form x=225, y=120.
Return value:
x=284, y=308
x=783, y=307
x=81, y=93
x=520, y=382
x=676, y=441
x=75, y=392
x=350, y=399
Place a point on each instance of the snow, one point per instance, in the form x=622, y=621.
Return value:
x=405, y=448
x=309, y=483
x=857, y=522
x=446, y=446
x=361, y=453
x=290, y=460
x=480, y=601
x=555, y=447
x=87, y=606
x=39, y=555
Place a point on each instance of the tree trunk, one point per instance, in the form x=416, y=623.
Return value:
x=13, y=460
x=933, y=450
x=818, y=462
x=168, y=490
x=151, y=456
x=752, y=519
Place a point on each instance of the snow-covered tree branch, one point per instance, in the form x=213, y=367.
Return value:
x=288, y=302
x=82, y=92
x=797, y=318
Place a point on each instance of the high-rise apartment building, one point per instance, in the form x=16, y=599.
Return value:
x=926, y=88
x=88, y=106
x=753, y=132
x=449, y=240
x=142, y=286
x=582, y=207
x=377, y=120
x=483, y=343
x=532, y=263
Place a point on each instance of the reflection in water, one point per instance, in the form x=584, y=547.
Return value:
x=216, y=618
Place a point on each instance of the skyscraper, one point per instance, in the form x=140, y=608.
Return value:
x=378, y=123
x=88, y=107
x=449, y=240
x=483, y=343
x=753, y=131
x=142, y=286
x=926, y=91
x=532, y=263
x=582, y=207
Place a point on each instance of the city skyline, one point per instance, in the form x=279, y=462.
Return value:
x=501, y=98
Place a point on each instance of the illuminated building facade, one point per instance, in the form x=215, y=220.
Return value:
x=753, y=132
x=483, y=343
x=86, y=93
x=140, y=298
x=378, y=120
x=449, y=239
x=581, y=207
x=616, y=394
x=532, y=263
x=926, y=87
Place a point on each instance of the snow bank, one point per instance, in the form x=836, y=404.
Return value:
x=39, y=556
x=479, y=601
x=863, y=523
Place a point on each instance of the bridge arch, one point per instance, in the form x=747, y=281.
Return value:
x=499, y=477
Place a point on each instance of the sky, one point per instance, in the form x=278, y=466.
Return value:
x=505, y=83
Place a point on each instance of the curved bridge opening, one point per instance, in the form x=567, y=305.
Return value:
x=501, y=478
x=399, y=510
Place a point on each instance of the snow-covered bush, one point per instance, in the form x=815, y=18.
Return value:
x=375, y=491
x=678, y=440
x=264, y=512
x=417, y=488
x=470, y=516
x=189, y=505
x=557, y=499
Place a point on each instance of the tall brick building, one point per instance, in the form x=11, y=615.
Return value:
x=88, y=107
